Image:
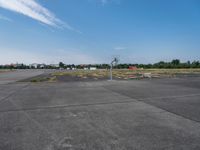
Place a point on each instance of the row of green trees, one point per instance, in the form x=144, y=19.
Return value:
x=21, y=66
x=176, y=63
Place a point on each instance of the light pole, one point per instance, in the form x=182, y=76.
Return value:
x=111, y=71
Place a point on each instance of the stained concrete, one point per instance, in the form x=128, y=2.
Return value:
x=119, y=115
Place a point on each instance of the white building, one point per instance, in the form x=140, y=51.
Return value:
x=54, y=65
x=93, y=68
x=34, y=65
x=86, y=68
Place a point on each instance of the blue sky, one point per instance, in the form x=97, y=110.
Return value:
x=93, y=31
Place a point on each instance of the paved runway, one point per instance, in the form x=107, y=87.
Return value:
x=161, y=114
x=16, y=75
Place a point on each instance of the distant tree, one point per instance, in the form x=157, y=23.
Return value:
x=61, y=65
x=175, y=62
x=195, y=64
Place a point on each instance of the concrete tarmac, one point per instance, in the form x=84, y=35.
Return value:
x=158, y=114
x=16, y=75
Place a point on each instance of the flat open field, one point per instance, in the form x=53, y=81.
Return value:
x=118, y=74
x=67, y=114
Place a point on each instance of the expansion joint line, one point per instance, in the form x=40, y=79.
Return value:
x=142, y=100
x=39, y=125
x=12, y=93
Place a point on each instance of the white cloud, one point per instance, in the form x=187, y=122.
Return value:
x=119, y=48
x=104, y=2
x=35, y=11
x=5, y=18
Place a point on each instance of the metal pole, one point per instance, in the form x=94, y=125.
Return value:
x=111, y=71
x=111, y=67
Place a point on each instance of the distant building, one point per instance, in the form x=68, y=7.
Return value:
x=41, y=66
x=132, y=68
x=86, y=68
x=13, y=65
x=93, y=68
x=73, y=68
x=54, y=65
x=34, y=65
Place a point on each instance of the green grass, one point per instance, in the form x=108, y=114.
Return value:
x=41, y=79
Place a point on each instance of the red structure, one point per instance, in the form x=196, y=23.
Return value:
x=132, y=68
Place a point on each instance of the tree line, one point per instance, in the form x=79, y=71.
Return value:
x=174, y=64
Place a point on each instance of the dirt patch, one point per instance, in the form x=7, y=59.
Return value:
x=68, y=78
x=40, y=78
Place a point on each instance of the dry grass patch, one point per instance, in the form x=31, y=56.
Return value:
x=127, y=74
